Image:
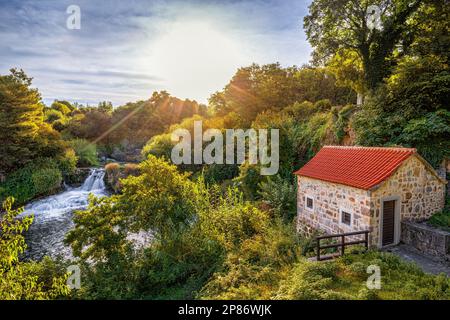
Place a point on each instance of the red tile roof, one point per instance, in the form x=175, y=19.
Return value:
x=360, y=167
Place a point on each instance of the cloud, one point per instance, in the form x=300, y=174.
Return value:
x=112, y=56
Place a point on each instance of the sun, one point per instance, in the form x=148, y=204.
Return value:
x=196, y=58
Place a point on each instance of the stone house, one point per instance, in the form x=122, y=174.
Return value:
x=345, y=189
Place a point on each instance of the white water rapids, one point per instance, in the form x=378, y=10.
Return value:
x=53, y=217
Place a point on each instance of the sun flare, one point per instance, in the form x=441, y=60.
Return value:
x=196, y=58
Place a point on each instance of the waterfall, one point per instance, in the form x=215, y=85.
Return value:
x=94, y=182
x=53, y=216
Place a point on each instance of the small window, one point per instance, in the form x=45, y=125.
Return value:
x=346, y=218
x=309, y=203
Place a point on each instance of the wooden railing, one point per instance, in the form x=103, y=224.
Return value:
x=342, y=244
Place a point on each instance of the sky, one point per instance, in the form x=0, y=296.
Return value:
x=125, y=50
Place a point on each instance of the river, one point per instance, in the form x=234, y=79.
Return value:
x=53, y=217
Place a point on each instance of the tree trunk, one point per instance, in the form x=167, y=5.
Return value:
x=359, y=99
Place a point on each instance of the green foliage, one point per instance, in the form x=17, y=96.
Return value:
x=217, y=173
x=254, y=269
x=323, y=105
x=345, y=278
x=68, y=162
x=256, y=89
x=333, y=26
x=300, y=111
x=281, y=196
x=442, y=219
x=85, y=151
x=105, y=106
x=39, y=178
x=342, y=122
x=46, y=180
x=24, y=280
x=25, y=136
x=249, y=179
x=310, y=281
x=61, y=107
x=51, y=115
x=160, y=199
x=159, y=146
x=400, y=280
x=129, y=126
x=410, y=110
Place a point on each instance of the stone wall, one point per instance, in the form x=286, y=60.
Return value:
x=329, y=199
x=420, y=192
x=426, y=239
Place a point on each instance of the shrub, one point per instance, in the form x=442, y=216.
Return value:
x=46, y=180
x=442, y=219
x=130, y=169
x=281, y=196
x=300, y=111
x=85, y=151
x=322, y=105
x=68, y=162
x=160, y=146
x=112, y=176
x=61, y=107
x=112, y=168
x=38, y=178
x=52, y=115
x=216, y=173
x=308, y=281
x=25, y=280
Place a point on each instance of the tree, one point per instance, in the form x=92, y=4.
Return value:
x=24, y=134
x=256, y=88
x=334, y=25
x=61, y=107
x=410, y=110
x=105, y=106
x=347, y=68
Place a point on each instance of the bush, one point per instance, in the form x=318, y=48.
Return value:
x=68, y=162
x=322, y=105
x=281, y=196
x=52, y=115
x=217, y=173
x=300, y=111
x=41, y=177
x=46, y=180
x=25, y=280
x=61, y=107
x=159, y=146
x=130, y=169
x=85, y=151
x=112, y=176
x=442, y=219
x=309, y=281
x=112, y=168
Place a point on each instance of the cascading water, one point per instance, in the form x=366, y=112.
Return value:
x=53, y=217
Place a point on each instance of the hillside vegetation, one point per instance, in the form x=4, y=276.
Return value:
x=225, y=231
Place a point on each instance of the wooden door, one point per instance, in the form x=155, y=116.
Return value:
x=388, y=222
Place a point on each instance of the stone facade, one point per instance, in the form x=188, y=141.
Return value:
x=419, y=194
x=329, y=200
